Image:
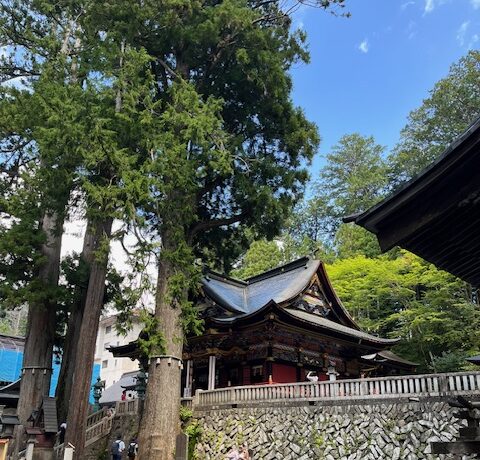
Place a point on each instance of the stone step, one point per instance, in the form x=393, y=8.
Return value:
x=468, y=414
x=457, y=447
x=470, y=433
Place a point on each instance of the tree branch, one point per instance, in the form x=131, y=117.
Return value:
x=207, y=225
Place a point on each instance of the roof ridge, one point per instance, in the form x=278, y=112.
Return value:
x=280, y=269
x=221, y=277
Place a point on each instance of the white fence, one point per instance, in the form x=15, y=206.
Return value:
x=128, y=407
x=460, y=383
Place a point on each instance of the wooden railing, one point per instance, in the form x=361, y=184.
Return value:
x=128, y=407
x=99, y=430
x=99, y=424
x=94, y=418
x=383, y=387
x=58, y=451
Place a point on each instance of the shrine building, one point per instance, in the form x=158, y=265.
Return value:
x=276, y=327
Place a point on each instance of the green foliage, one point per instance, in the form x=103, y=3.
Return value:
x=453, y=103
x=352, y=180
x=354, y=177
x=185, y=414
x=262, y=255
x=150, y=342
x=194, y=432
x=352, y=241
x=452, y=361
x=406, y=297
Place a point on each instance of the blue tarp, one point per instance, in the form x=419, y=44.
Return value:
x=10, y=365
x=11, y=368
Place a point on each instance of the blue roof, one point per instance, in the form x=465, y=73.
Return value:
x=245, y=297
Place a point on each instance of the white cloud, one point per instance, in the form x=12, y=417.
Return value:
x=475, y=4
x=363, y=47
x=429, y=6
x=461, y=32
x=405, y=5
x=473, y=41
x=411, y=30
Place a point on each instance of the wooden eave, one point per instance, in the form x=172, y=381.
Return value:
x=276, y=313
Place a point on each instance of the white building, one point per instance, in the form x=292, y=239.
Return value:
x=111, y=369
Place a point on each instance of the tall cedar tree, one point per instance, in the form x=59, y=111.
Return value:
x=35, y=166
x=225, y=146
x=229, y=154
x=75, y=133
x=117, y=140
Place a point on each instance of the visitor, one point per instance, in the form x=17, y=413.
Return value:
x=244, y=453
x=312, y=377
x=124, y=395
x=61, y=433
x=234, y=454
x=132, y=449
x=118, y=446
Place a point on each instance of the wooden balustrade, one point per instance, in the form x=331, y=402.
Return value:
x=94, y=418
x=98, y=430
x=382, y=387
x=127, y=407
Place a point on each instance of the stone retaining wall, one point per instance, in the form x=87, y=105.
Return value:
x=377, y=430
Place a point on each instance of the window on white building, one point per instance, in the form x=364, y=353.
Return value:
x=108, y=329
x=104, y=364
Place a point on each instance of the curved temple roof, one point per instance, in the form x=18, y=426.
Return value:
x=284, y=291
x=283, y=286
x=279, y=285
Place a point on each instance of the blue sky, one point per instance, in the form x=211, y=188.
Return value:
x=369, y=71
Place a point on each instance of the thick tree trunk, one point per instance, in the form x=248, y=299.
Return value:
x=160, y=421
x=38, y=352
x=65, y=379
x=85, y=347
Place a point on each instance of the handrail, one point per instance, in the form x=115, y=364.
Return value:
x=457, y=383
x=127, y=407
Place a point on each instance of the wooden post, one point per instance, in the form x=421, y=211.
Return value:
x=68, y=454
x=181, y=447
x=211, y=372
x=187, y=391
x=29, y=453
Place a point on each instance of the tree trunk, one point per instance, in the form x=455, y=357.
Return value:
x=160, y=421
x=65, y=379
x=85, y=347
x=38, y=352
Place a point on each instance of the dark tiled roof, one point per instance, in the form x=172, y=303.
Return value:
x=474, y=359
x=245, y=297
x=9, y=419
x=387, y=355
x=436, y=214
x=114, y=392
x=50, y=415
x=333, y=326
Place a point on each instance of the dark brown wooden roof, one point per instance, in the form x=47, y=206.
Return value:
x=437, y=214
x=49, y=409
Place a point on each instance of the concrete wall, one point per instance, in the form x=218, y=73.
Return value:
x=111, y=369
x=379, y=429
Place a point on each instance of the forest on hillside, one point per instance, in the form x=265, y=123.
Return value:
x=396, y=294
